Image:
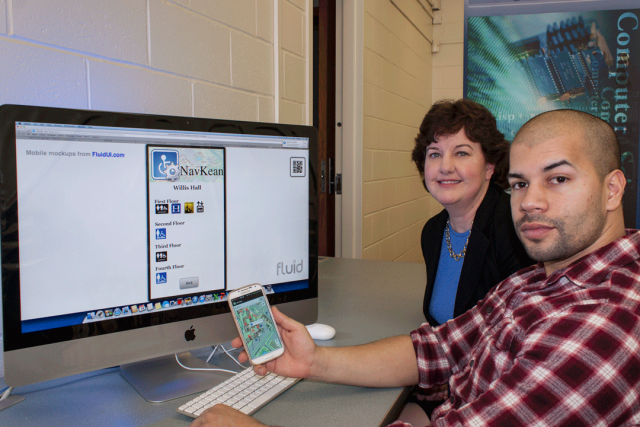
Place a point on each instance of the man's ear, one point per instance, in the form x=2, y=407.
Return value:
x=615, y=183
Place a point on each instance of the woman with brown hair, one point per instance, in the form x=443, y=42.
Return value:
x=471, y=245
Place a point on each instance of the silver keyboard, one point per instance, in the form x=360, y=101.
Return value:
x=245, y=391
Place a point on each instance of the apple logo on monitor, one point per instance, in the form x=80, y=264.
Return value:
x=190, y=334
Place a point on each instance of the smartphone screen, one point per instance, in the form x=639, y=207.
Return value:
x=256, y=325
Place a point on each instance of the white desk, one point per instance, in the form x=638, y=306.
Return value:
x=363, y=300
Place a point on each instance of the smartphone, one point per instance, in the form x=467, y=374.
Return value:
x=254, y=320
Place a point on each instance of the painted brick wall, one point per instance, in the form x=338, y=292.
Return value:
x=397, y=94
x=206, y=58
x=447, y=79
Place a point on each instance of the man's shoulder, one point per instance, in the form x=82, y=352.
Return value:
x=621, y=255
x=623, y=285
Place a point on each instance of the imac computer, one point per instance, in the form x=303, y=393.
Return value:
x=123, y=233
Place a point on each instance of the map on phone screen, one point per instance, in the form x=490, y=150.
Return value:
x=256, y=325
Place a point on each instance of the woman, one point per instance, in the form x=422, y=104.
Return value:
x=471, y=245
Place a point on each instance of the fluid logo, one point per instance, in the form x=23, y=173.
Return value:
x=165, y=165
x=289, y=269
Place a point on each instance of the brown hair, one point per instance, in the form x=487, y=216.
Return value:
x=448, y=117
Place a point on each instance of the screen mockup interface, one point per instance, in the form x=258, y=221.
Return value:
x=126, y=221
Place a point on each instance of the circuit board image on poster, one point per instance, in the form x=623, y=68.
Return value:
x=519, y=66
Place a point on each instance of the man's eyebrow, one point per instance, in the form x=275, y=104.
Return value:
x=515, y=175
x=546, y=169
x=557, y=164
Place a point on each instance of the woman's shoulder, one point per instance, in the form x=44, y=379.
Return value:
x=497, y=227
x=438, y=221
x=495, y=207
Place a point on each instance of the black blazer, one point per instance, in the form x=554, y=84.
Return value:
x=493, y=253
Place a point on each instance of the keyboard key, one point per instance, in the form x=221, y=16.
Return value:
x=247, y=409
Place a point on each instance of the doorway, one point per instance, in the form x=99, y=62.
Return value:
x=324, y=119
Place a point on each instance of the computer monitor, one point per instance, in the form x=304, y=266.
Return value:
x=122, y=234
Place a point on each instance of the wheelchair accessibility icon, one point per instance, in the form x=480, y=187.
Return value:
x=165, y=165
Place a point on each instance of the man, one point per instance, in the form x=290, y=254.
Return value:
x=557, y=344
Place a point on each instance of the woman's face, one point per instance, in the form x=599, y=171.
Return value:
x=456, y=172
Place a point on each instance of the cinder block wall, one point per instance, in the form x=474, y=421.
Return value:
x=209, y=58
x=397, y=93
x=202, y=58
x=448, y=64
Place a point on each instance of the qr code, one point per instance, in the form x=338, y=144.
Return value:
x=298, y=166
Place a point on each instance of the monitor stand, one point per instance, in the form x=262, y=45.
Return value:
x=161, y=379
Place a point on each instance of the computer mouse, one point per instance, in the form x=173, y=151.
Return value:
x=319, y=331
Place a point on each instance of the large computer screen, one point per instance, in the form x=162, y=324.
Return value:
x=122, y=233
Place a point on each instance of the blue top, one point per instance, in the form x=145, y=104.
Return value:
x=445, y=288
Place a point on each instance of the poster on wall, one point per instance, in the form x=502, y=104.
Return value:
x=521, y=65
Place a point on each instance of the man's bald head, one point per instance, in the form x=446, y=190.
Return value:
x=601, y=142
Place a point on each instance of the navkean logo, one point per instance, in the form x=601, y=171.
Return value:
x=165, y=165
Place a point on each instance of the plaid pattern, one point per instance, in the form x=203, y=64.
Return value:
x=540, y=351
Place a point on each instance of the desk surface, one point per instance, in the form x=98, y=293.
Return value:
x=363, y=300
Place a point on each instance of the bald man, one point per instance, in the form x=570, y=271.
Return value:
x=556, y=344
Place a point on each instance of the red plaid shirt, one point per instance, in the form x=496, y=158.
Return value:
x=541, y=351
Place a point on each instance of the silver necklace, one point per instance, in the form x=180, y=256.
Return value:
x=452, y=254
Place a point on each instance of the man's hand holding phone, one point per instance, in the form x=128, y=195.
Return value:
x=299, y=350
x=272, y=341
